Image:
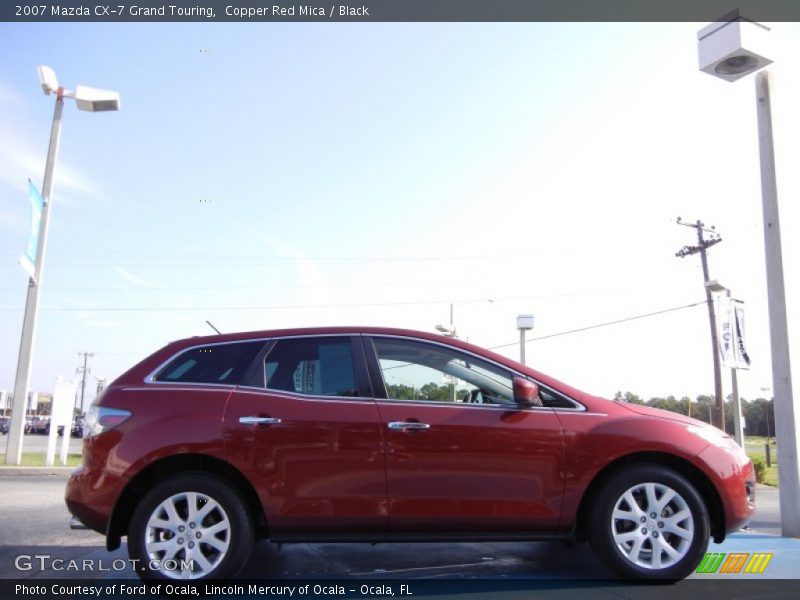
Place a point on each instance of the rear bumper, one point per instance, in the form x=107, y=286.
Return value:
x=90, y=499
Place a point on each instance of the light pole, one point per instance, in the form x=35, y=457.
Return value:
x=734, y=341
x=730, y=49
x=524, y=323
x=92, y=100
x=448, y=330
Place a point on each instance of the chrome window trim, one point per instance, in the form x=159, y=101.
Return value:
x=578, y=406
x=581, y=413
x=249, y=389
x=193, y=387
x=446, y=404
x=151, y=377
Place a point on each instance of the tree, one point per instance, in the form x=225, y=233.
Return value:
x=629, y=397
x=432, y=391
x=707, y=408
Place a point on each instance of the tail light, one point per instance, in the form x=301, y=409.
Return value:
x=100, y=419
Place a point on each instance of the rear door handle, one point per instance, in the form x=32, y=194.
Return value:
x=408, y=425
x=259, y=420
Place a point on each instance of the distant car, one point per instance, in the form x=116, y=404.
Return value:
x=381, y=435
x=40, y=424
x=5, y=424
x=76, y=430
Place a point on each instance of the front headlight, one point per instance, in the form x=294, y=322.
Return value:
x=720, y=439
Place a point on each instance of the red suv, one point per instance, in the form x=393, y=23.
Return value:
x=381, y=435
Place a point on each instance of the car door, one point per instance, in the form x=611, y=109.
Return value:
x=305, y=431
x=461, y=455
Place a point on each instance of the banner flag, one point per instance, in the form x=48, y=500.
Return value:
x=28, y=260
x=730, y=325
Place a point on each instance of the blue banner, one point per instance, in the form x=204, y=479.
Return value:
x=28, y=260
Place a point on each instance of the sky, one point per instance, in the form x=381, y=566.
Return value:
x=266, y=175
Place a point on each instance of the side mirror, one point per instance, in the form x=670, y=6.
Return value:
x=526, y=392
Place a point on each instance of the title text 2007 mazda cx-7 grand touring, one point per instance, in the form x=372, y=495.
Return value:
x=380, y=435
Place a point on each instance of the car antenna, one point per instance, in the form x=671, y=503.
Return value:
x=214, y=328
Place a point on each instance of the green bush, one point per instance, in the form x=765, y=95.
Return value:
x=760, y=468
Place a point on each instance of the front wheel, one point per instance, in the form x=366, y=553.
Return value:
x=193, y=526
x=649, y=522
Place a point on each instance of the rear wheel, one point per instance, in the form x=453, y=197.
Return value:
x=649, y=522
x=193, y=526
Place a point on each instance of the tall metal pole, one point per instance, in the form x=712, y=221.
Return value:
x=786, y=409
x=738, y=429
x=84, y=372
x=23, y=378
x=522, y=346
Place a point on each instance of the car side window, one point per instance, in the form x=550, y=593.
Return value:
x=313, y=366
x=421, y=371
x=554, y=400
x=215, y=363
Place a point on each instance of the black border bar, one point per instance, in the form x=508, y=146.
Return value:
x=112, y=11
x=415, y=589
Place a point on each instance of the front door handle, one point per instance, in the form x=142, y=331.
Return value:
x=259, y=420
x=408, y=425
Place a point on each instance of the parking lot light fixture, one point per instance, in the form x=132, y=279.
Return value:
x=730, y=49
x=524, y=323
x=88, y=99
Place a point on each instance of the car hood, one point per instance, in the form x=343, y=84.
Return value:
x=648, y=411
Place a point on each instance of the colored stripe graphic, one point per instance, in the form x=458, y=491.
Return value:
x=711, y=562
x=758, y=562
x=734, y=562
x=755, y=563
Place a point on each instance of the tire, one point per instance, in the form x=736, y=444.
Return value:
x=160, y=529
x=623, y=532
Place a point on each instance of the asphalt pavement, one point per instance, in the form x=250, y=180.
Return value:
x=34, y=522
x=37, y=443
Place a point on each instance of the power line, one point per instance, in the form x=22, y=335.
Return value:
x=160, y=288
x=587, y=328
x=250, y=260
x=284, y=306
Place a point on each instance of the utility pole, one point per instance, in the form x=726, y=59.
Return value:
x=702, y=247
x=84, y=370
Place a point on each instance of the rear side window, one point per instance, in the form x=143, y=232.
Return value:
x=313, y=366
x=221, y=363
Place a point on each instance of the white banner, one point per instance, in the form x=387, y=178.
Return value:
x=28, y=259
x=61, y=411
x=730, y=325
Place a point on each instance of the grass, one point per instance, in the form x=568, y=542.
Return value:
x=36, y=459
x=754, y=446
